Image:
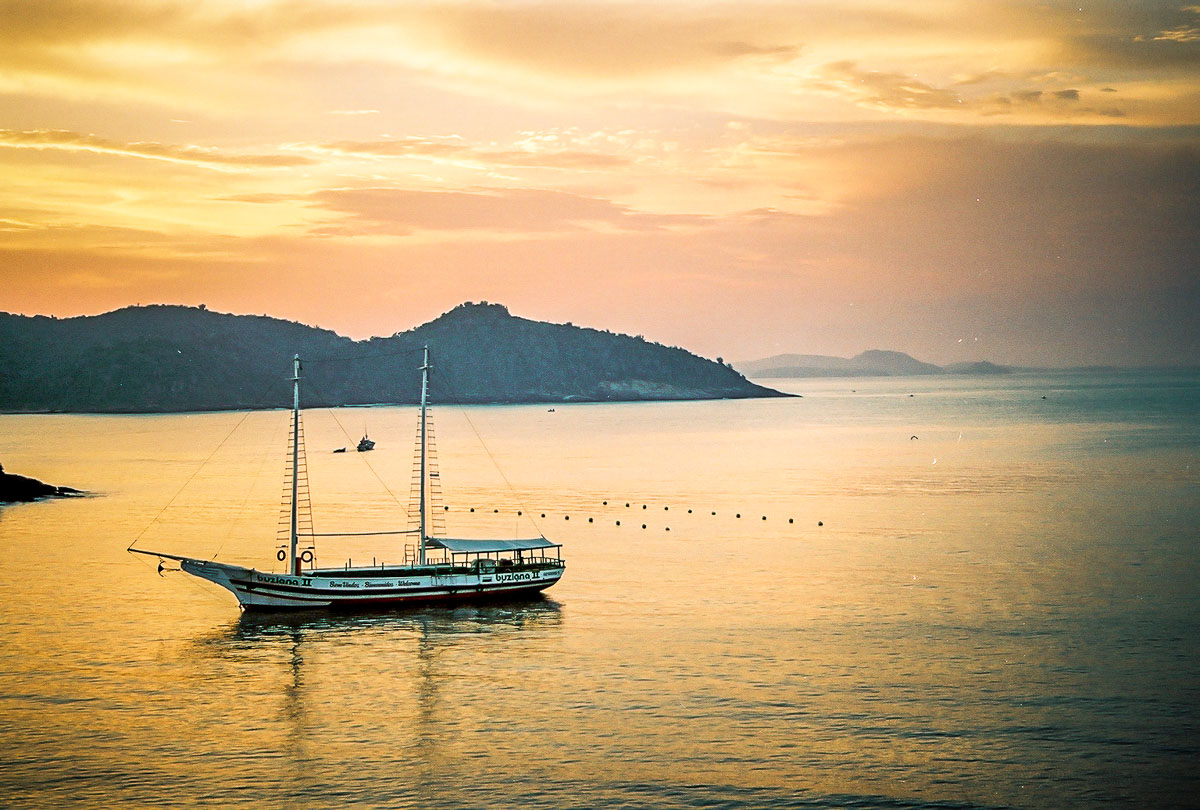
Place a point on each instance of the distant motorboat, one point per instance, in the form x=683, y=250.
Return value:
x=365, y=444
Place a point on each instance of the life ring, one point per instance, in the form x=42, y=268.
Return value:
x=282, y=555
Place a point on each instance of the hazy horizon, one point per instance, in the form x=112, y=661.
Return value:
x=1004, y=181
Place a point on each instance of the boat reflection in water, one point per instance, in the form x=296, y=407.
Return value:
x=429, y=673
x=252, y=629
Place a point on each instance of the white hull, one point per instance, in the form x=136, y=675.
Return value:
x=364, y=588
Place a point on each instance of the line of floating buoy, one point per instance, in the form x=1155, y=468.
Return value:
x=646, y=507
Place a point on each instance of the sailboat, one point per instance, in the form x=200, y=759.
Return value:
x=441, y=570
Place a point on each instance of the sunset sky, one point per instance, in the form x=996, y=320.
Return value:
x=1012, y=181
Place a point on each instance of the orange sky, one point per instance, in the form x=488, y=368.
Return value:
x=1014, y=181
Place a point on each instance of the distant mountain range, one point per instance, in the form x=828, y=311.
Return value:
x=874, y=363
x=174, y=358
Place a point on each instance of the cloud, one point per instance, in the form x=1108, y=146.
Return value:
x=902, y=93
x=210, y=26
x=457, y=150
x=606, y=41
x=561, y=159
x=550, y=39
x=1011, y=239
x=1183, y=33
x=883, y=90
x=392, y=211
x=67, y=141
x=1157, y=39
x=921, y=58
x=30, y=233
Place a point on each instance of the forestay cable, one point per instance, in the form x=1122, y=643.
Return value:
x=195, y=472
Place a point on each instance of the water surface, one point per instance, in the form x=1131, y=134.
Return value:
x=1000, y=612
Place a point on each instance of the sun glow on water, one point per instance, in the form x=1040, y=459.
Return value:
x=1008, y=627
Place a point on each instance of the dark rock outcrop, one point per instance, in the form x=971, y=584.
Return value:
x=19, y=488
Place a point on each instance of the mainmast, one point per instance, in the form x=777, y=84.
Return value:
x=424, y=407
x=295, y=534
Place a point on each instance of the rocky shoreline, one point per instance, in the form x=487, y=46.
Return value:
x=22, y=489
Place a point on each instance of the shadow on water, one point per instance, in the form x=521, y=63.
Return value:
x=428, y=622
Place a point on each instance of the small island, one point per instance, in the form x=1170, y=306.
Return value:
x=872, y=363
x=21, y=489
x=170, y=359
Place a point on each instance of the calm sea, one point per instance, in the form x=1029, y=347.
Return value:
x=940, y=592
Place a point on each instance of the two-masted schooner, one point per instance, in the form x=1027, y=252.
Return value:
x=443, y=570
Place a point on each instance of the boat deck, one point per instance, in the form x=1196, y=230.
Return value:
x=437, y=569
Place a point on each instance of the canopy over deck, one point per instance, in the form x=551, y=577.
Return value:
x=487, y=546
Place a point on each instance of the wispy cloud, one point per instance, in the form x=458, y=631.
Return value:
x=206, y=157
x=613, y=40
x=883, y=90
x=457, y=150
x=391, y=211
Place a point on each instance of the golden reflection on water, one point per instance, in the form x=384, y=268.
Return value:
x=1012, y=625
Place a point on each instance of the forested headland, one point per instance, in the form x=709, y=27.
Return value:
x=167, y=358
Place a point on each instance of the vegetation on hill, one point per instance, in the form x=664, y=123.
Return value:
x=174, y=358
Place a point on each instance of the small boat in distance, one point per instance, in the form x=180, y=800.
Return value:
x=365, y=444
x=437, y=569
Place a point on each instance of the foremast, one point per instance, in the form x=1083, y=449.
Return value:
x=424, y=452
x=294, y=534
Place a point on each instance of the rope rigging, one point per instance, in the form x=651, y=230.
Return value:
x=349, y=440
x=189, y=480
x=456, y=400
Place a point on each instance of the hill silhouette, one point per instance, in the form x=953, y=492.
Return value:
x=173, y=358
x=872, y=363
